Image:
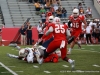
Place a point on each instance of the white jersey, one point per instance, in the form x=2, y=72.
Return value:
x=39, y=51
x=28, y=54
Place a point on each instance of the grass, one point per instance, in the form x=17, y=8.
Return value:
x=84, y=58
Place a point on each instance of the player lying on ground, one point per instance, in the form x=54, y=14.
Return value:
x=31, y=55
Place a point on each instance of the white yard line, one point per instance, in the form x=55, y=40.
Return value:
x=35, y=66
x=12, y=49
x=82, y=48
x=96, y=65
x=90, y=45
x=91, y=49
x=65, y=66
x=47, y=71
x=79, y=71
x=8, y=69
x=18, y=71
x=5, y=72
x=87, y=50
x=11, y=66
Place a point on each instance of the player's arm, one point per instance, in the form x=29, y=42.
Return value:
x=68, y=33
x=69, y=24
x=85, y=23
x=43, y=26
x=49, y=30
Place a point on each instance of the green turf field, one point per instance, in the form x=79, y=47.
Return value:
x=84, y=58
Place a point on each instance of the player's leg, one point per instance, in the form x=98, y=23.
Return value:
x=16, y=57
x=87, y=39
x=18, y=47
x=24, y=40
x=51, y=48
x=65, y=58
x=75, y=35
x=46, y=43
x=15, y=46
x=78, y=42
x=71, y=47
x=12, y=55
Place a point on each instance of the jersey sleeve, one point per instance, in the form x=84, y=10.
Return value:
x=70, y=17
x=49, y=30
x=82, y=18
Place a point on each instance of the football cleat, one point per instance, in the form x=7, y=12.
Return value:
x=73, y=65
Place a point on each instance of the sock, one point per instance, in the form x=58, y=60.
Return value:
x=69, y=49
x=70, y=61
x=15, y=56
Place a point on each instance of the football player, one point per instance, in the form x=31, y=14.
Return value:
x=49, y=38
x=76, y=21
x=31, y=55
x=60, y=31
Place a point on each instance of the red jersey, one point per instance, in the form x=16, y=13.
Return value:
x=76, y=23
x=59, y=31
x=46, y=29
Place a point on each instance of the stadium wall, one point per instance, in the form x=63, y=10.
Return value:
x=8, y=34
x=97, y=5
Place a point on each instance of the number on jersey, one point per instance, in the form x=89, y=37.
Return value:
x=59, y=28
x=75, y=25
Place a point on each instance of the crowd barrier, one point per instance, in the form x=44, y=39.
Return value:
x=8, y=34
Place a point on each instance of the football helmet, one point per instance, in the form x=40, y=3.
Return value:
x=23, y=52
x=50, y=19
x=75, y=12
x=57, y=20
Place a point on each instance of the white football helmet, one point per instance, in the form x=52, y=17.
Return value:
x=75, y=12
x=23, y=52
x=57, y=20
x=50, y=19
